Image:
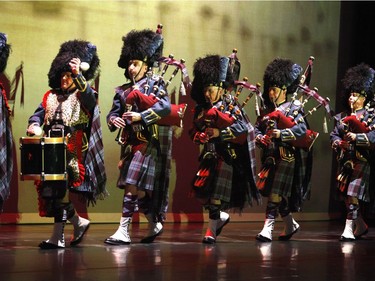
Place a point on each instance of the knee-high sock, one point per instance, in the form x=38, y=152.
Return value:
x=128, y=205
x=213, y=211
x=352, y=211
x=145, y=204
x=272, y=210
x=284, y=208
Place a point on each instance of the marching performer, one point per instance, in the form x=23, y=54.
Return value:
x=284, y=177
x=352, y=138
x=226, y=176
x=6, y=137
x=69, y=109
x=136, y=109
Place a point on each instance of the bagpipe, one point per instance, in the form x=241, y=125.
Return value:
x=221, y=117
x=211, y=118
x=284, y=120
x=253, y=89
x=230, y=109
x=353, y=124
x=277, y=120
x=147, y=99
x=360, y=124
x=151, y=95
x=363, y=124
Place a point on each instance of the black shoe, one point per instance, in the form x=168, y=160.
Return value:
x=359, y=236
x=48, y=246
x=113, y=241
x=345, y=239
x=261, y=238
x=79, y=238
x=208, y=240
x=150, y=239
x=287, y=237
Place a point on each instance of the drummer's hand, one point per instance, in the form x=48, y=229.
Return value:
x=132, y=116
x=118, y=122
x=34, y=130
x=74, y=66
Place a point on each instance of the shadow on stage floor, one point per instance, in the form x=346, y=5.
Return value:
x=314, y=253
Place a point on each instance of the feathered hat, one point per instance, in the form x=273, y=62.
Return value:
x=212, y=70
x=144, y=45
x=83, y=50
x=359, y=79
x=4, y=52
x=282, y=73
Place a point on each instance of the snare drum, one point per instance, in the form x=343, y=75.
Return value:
x=43, y=158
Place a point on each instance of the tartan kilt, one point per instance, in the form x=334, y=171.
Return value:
x=282, y=181
x=359, y=181
x=221, y=185
x=6, y=151
x=138, y=170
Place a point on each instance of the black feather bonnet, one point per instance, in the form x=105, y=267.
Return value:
x=212, y=70
x=144, y=45
x=83, y=50
x=359, y=79
x=281, y=73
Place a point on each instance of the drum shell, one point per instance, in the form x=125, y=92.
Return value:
x=43, y=158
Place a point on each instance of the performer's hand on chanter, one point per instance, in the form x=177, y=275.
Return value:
x=118, y=122
x=265, y=140
x=351, y=136
x=343, y=144
x=275, y=133
x=201, y=137
x=132, y=116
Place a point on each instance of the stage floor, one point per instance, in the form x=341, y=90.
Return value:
x=314, y=254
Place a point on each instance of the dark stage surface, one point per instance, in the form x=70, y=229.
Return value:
x=314, y=253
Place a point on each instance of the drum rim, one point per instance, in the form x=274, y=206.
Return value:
x=39, y=140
